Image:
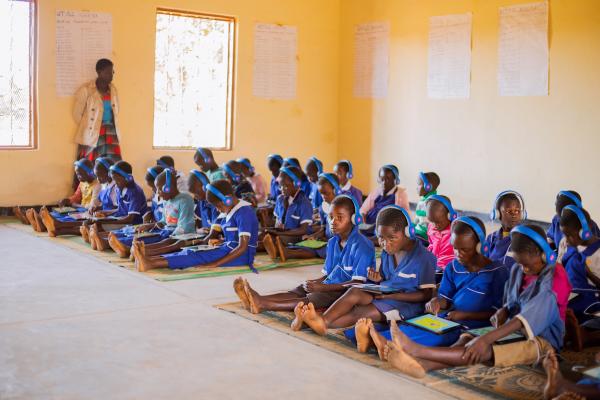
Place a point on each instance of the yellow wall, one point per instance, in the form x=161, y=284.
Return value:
x=261, y=126
x=479, y=146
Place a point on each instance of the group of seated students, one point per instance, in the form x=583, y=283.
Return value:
x=518, y=279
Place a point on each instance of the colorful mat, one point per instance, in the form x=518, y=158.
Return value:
x=473, y=382
x=262, y=262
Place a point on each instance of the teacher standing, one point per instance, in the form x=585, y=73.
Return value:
x=96, y=114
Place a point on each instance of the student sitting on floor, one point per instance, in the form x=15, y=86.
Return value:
x=531, y=307
x=274, y=162
x=259, y=186
x=344, y=172
x=349, y=255
x=168, y=162
x=305, y=185
x=107, y=197
x=177, y=217
x=558, y=387
x=554, y=234
x=405, y=266
x=293, y=214
x=85, y=197
x=388, y=192
x=440, y=215
x=154, y=214
x=509, y=210
x=313, y=169
x=328, y=189
x=427, y=185
x=203, y=157
x=131, y=206
x=241, y=187
x=471, y=290
x=240, y=228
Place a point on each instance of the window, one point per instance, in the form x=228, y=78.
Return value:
x=193, y=80
x=17, y=73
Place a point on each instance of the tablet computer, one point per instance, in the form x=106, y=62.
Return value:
x=434, y=324
x=311, y=244
x=188, y=236
x=373, y=288
x=513, y=337
x=200, y=247
x=64, y=210
x=593, y=373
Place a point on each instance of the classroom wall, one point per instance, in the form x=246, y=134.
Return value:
x=488, y=143
x=302, y=127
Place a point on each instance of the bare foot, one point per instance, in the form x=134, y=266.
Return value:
x=270, y=247
x=19, y=214
x=404, y=363
x=363, y=338
x=281, y=249
x=313, y=319
x=38, y=221
x=117, y=245
x=569, y=396
x=298, y=322
x=553, y=376
x=48, y=221
x=253, y=298
x=85, y=233
x=30, y=218
x=238, y=287
x=101, y=244
x=379, y=341
x=142, y=264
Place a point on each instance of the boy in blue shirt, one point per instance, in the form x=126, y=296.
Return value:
x=350, y=255
x=345, y=173
x=509, y=210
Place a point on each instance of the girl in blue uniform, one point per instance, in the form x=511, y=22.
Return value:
x=107, y=197
x=509, y=210
x=530, y=307
x=156, y=203
x=305, y=185
x=313, y=169
x=471, y=290
x=240, y=228
x=274, y=163
x=177, y=218
x=349, y=256
x=293, y=214
x=343, y=170
x=406, y=267
x=242, y=189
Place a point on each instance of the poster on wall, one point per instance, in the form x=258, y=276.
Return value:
x=275, y=61
x=371, y=59
x=449, y=61
x=523, y=50
x=82, y=38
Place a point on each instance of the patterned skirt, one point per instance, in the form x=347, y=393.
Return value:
x=107, y=146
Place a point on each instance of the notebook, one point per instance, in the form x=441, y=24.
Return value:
x=434, y=324
x=513, y=337
x=311, y=244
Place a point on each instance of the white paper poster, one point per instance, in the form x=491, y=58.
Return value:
x=371, y=59
x=82, y=38
x=523, y=50
x=449, y=66
x=275, y=63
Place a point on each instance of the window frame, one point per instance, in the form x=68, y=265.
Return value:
x=33, y=88
x=231, y=75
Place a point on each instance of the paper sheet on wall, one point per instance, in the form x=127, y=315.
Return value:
x=523, y=50
x=371, y=59
x=449, y=67
x=82, y=38
x=275, y=63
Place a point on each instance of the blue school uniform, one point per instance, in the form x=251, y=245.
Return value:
x=206, y=213
x=275, y=190
x=108, y=196
x=240, y=221
x=381, y=201
x=536, y=306
x=321, y=252
x=156, y=207
x=295, y=214
x=131, y=201
x=466, y=291
x=499, y=245
x=416, y=270
x=305, y=186
x=587, y=301
x=243, y=188
x=555, y=235
x=354, y=192
x=315, y=196
x=66, y=217
x=350, y=262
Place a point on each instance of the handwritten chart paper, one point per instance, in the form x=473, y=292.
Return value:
x=82, y=38
x=371, y=59
x=523, y=50
x=275, y=64
x=449, y=68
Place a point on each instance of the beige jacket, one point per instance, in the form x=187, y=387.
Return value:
x=88, y=111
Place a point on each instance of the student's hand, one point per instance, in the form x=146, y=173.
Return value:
x=433, y=306
x=374, y=276
x=98, y=214
x=381, y=296
x=279, y=226
x=64, y=203
x=215, y=242
x=147, y=218
x=477, y=350
x=456, y=316
x=499, y=318
x=311, y=286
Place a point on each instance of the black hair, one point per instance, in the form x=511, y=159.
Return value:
x=125, y=166
x=443, y=197
x=562, y=200
x=168, y=160
x=462, y=228
x=569, y=219
x=325, y=181
x=296, y=171
x=223, y=186
x=236, y=166
x=345, y=202
x=433, y=179
x=159, y=170
x=193, y=176
x=206, y=151
x=87, y=162
x=109, y=161
x=162, y=176
x=507, y=197
x=393, y=218
x=274, y=160
x=103, y=63
x=344, y=165
x=291, y=162
x=524, y=244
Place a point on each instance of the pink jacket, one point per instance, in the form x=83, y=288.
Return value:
x=259, y=186
x=439, y=245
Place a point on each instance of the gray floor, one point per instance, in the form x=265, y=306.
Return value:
x=74, y=327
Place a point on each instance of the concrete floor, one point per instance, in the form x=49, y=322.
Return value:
x=74, y=327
